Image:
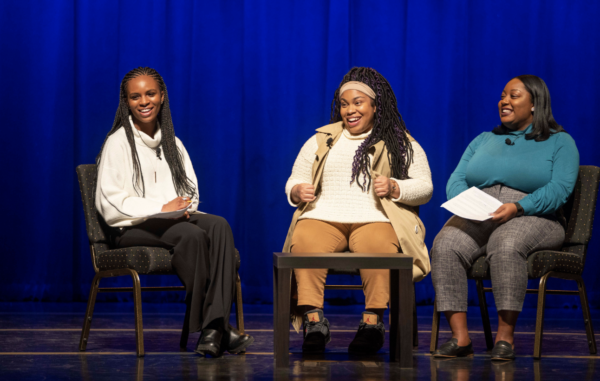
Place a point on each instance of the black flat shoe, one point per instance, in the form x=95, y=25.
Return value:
x=235, y=342
x=503, y=351
x=210, y=342
x=451, y=349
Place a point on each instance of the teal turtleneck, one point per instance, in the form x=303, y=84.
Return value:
x=546, y=170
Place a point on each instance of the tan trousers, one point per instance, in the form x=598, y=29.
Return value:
x=315, y=236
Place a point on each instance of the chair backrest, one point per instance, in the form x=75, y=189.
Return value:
x=579, y=211
x=94, y=223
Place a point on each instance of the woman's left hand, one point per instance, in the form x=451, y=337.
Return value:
x=383, y=187
x=504, y=213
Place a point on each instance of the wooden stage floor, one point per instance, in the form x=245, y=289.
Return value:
x=39, y=341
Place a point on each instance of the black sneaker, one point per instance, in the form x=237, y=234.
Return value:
x=370, y=336
x=316, y=332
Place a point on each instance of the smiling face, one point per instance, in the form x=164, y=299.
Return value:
x=144, y=99
x=515, y=106
x=357, y=111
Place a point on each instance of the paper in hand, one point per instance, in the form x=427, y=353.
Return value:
x=473, y=204
x=174, y=214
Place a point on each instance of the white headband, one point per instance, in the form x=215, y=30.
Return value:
x=355, y=85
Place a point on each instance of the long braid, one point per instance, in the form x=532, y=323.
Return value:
x=174, y=157
x=388, y=126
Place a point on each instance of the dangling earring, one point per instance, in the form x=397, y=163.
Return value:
x=532, y=109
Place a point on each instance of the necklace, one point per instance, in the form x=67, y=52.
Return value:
x=157, y=150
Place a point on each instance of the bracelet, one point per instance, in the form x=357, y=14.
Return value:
x=520, y=210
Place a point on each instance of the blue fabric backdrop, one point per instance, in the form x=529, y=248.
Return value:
x=249, y=81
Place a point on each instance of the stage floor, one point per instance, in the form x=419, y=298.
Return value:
x=39, y=341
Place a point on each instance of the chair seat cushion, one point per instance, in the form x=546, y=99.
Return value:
x=541, y=262
x=144, y=260
x=538, y=264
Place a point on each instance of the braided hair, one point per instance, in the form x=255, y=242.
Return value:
x=387, y=126
x=174, y=157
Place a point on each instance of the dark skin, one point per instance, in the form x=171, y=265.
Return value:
x=144, y=99
x=516, y=113
x=358, y=113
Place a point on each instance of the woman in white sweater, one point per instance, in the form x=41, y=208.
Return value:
x=343, y=183
x=147, y=191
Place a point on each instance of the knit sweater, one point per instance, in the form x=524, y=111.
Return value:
x=116, y=199
x=340, y=201
x=546, y=170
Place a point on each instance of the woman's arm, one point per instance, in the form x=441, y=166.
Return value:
x=565, y=169
x=302, y=169
x=191, y=174
x=113, y=201
x=418, y=188
x=457, y=182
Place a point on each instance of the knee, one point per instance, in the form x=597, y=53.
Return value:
x=302, y=243
x=443, y=246
x=509, y=248
x=220, y=223
x=191, y=232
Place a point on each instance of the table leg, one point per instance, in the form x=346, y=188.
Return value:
x=394, y=314
x=282, y=279
x=401, y=305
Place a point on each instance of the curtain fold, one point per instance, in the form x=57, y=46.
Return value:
x=249, y=81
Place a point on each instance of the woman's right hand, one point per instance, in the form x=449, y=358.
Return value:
x=176, y=204
x=303, y=193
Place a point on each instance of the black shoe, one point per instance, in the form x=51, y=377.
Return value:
x=316, y=332
x=235, y=342
x=451, y=349
x=209, y=342
x=370, y=336
x=503, y=351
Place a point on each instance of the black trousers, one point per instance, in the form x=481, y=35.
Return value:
x=203, y=258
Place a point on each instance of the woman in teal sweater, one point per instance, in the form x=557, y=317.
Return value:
x=530, y=164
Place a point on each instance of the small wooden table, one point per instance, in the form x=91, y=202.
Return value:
x=401, y=296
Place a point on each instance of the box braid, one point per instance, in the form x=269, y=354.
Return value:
x=183, y=185
x=387, y=126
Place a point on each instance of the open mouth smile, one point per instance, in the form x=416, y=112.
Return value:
x=146, y=112
x=352, y=122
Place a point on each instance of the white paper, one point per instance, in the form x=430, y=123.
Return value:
x=473, y=204
x=174, y=214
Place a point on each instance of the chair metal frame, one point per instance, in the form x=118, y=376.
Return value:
x=137, y=301
x=542, y=291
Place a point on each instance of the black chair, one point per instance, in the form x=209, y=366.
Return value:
x=131, y=261
x=568, y=263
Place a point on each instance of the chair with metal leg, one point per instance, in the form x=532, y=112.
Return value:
x=131, y=262
x=567, y=263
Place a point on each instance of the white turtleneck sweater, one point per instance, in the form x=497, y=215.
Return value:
x=116, y=199
x=340, y=201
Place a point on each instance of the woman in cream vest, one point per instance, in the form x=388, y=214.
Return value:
x=355, y=183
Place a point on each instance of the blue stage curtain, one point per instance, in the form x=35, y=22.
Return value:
x=249, y=81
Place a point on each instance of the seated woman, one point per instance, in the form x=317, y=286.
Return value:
x=357, y=194
x=530, y=164
x=143, y=169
